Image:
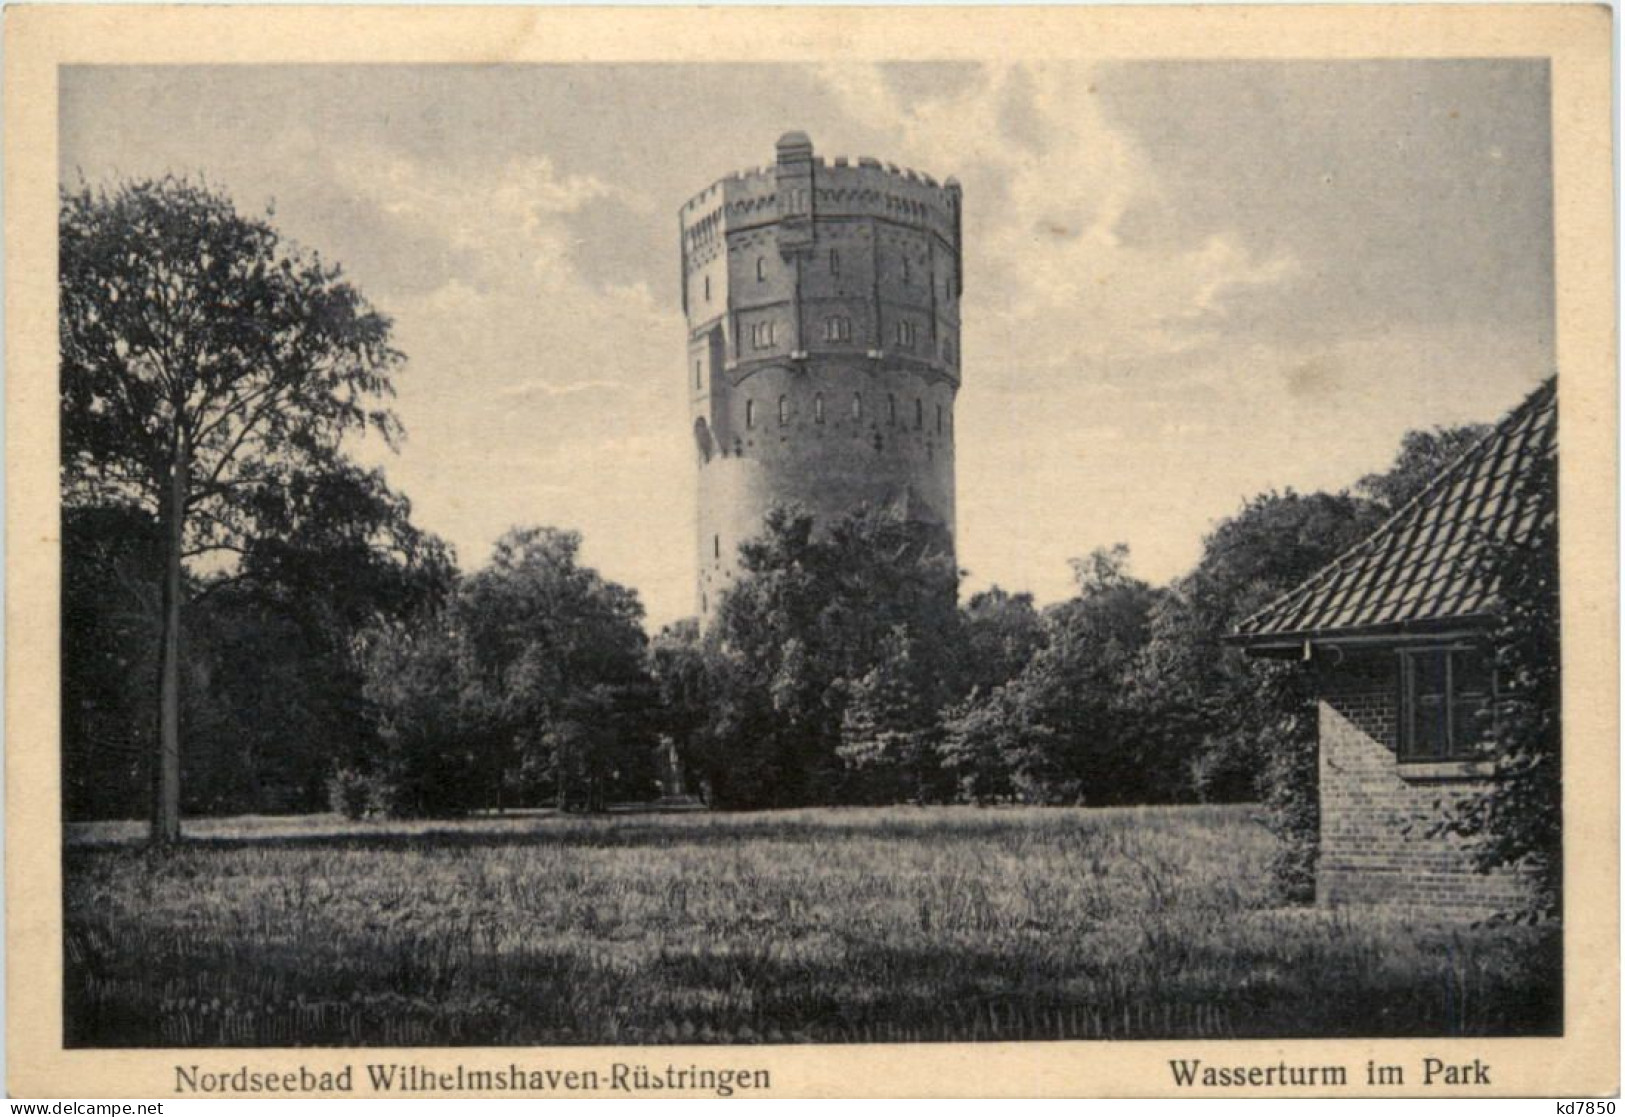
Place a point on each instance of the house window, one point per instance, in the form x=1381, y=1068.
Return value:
x=750, y=414
x=837, y=328
x=761, y=269
x=857, y=405
x=919, y=414
x=834, y=262
x=1444, y=698
x=784, y=410
x=761, y=335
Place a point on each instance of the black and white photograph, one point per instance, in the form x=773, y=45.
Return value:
x=736, y=554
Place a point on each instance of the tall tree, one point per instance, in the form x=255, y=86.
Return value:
x=1212, y=695
x=203, y=362
x=533, y=678
x=1069, y=732
x=999, y=633
x=680, y=666
x=813, y=614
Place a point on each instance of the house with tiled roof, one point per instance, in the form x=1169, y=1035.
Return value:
x=1395, y=632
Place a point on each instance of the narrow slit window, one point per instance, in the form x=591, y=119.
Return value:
x=939, y=418
x=761, y=269
x=818, y=408
x=891, y=410
x=834, y=262
x=707, y=288
x=857, y=405
x=784, y=410
x=750, y=414
x=716, y=546
x=919, y=414
x=696, y=375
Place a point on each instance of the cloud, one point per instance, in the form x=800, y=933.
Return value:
x=1049, y=181
x=531, y=388
x=1185, y=282
x=544, y=388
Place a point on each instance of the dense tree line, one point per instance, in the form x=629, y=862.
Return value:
x=840, y=671
x=529, y=686
x=251, y=622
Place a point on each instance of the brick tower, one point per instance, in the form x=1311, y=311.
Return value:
x=823, y=346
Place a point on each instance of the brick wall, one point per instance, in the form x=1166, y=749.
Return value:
x=1374, y=845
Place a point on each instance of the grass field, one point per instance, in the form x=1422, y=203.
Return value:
x=831, y=926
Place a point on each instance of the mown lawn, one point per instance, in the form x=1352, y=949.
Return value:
x=807, y=926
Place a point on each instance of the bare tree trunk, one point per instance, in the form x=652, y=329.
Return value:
x=166, y=799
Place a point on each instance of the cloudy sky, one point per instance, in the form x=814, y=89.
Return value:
x=1185, y=282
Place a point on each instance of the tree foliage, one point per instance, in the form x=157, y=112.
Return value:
x=112, y=559
x=1224, y=704
x=817, y=619
x=1516, y=823
x=531, y=683
x=1423, y=455
x=1067, y=727
x=204, y=365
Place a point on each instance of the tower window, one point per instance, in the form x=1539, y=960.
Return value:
x=696, y=375
x=750, y=414
x=838, y=328
x=707, y=288
x=705, y=603
x=891, y=410
x=857, y=405
x=761, y=335
x=761, y=269
x=919, y=414
x=905, y=335
x=834, y=262
x=939, y=418
x=905, y=270
x=716, y=546
x=784, y=410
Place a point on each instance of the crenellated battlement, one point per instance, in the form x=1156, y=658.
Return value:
x=842, y=187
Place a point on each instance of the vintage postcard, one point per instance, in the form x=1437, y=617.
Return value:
x=811, y=552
